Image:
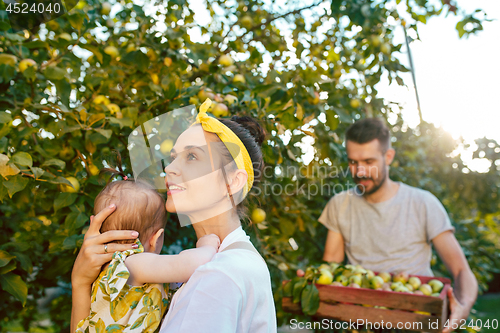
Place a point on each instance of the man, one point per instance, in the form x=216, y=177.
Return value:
x=385, y=225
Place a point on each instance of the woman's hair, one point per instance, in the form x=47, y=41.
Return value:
x=252, y=135
x=138, y=206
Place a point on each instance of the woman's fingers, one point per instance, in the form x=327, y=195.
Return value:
x=96, y=221
x=115, y=235
x=112, y=248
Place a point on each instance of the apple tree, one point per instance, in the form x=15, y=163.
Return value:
x=73, y=89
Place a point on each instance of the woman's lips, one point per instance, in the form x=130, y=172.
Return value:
x=173, y=189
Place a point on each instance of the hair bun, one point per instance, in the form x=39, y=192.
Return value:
x=252, y=126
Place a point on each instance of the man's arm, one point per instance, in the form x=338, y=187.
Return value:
x=334, y=247
x=465, y=292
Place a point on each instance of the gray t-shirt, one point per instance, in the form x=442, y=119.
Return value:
x=391, y=236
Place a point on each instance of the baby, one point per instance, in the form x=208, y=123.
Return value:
x=130, y=294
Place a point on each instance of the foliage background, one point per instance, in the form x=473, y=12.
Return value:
x=50, y=127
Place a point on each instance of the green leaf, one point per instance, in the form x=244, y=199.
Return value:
x=297, y=290
x=105, y=133
x=309, y=300
x=287, y=289
x=60, y=164
x=95, y=50
x=5, y=257
x=14, y=285
x=130, y=112
x=64, y=199
x=8, y=268
x=76, y=20
x=5, y=117
x=36, y=44
x=137, y=59
x=54, y=73
x=25, y=261
x=123, y=122
x=22, y=158
x=15, y=184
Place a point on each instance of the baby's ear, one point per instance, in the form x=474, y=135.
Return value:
x=156, y=241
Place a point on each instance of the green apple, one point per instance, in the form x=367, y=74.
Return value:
x=370, y=274
x=342, y=279
x=436, y=285
x=409, y=287
x=397, y=284
x=355, y=279
x=415, y=282
x=435, y=294
x=376, y=282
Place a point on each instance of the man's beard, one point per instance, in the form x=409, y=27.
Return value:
x=376, y=185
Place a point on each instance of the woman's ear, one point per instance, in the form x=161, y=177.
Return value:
x=239, y=179
x=156, y=241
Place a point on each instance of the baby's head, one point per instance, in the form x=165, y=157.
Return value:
x=138, y=207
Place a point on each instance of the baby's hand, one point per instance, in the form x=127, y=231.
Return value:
x=211, y=240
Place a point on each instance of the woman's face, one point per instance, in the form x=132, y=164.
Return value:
x=195, y=186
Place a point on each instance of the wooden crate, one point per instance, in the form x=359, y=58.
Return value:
x=345, y=304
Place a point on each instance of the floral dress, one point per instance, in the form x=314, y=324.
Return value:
x=118, y=307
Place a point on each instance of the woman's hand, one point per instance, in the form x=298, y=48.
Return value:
x=90, y=259
x=210, y=240
x=92, y=255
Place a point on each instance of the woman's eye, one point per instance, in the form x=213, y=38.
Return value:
x=191, y=156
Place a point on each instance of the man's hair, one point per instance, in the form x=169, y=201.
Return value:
x=369, y=129
x=138, y=207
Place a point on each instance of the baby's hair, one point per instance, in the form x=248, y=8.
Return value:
x=139, y=206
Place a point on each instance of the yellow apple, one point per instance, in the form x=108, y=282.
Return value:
x=155, y=78
x=239, y=78
x=152, y=55
x=220, y=110
x=113, y=108
x=69, y=189
x=225, y=60
x=65, y=36
x=101, y=99
x=247, y=21
x=426, y=289
x=112, y=51
x=258, y=215
x=436, y=285
x=94, y=171
x=166, y=146
x=376, y=41
x=385, y=276
x=415, y=282
x=231, y=99
x=401, y=277
x=106, y=8
x=355, y=103
x=376, y=282
x=385, y=48
x=204, y=94
x=326, y=277
x=194, y=100
x=167, y=61
x=130, y=48
x=8, y=59
x=25, y=63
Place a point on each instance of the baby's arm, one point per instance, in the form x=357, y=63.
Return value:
x=155, y=268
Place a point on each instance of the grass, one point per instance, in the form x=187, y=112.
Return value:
x=486, y=308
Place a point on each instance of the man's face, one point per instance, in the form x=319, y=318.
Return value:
x=368, y=164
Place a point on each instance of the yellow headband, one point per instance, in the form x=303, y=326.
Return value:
x=213, y=125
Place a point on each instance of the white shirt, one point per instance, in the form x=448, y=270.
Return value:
x=230, y=294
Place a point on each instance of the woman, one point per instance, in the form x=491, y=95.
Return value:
x=206, y=183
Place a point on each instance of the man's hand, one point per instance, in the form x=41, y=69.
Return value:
x=458, y=312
